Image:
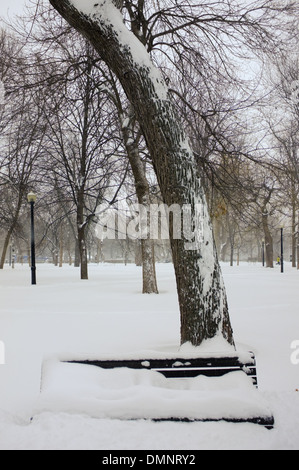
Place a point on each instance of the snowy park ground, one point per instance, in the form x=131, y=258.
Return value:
x=109, y=315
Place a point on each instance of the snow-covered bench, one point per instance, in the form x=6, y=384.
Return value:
x=180, y=368
x=207, y=388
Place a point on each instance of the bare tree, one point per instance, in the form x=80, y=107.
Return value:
x=131, y=136
x=284, y=136
x=203, y=303
x=20, y=151
x=81, y=145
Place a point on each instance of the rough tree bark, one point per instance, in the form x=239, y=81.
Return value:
x=201, y=291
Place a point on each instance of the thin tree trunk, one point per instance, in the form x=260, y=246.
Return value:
x=82, y=237
x=11, y=230
x=201, y=291
x=61, y=247
x=143, y=195
x=294, y=234
x=268, y=241
x=77, y=253
x=81, y=223
x=83, y=254
x=5, y=248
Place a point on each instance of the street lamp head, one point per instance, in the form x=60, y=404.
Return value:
x=31, y=197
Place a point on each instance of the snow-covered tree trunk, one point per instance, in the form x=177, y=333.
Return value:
x=201, y=291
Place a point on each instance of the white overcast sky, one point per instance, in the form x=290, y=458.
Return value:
x=11, y=6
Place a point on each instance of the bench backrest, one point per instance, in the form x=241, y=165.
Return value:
x=182, y=367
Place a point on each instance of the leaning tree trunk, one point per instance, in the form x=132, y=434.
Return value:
x=201, y=291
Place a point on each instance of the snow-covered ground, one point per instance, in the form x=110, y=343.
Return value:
x=108, y=315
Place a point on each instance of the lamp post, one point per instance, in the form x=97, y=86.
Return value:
x=281, y=243
x=32, y=200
